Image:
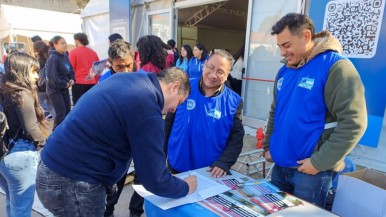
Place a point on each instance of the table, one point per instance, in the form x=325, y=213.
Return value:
x=196, y=209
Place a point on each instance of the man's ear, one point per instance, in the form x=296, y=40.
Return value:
x=175, y=87
x=307, y=35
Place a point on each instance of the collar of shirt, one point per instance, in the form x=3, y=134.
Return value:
x=112, y=71
x=216, y=93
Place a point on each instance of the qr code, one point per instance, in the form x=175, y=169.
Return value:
x=356, y=24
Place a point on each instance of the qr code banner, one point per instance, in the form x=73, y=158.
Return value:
x=357, y=25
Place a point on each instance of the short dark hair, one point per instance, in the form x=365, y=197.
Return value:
x=120, y=49
x=115, y=36
x=171, y=43
x=36, y=38
x=295, y=22
x=82, y=38
x=174, y=74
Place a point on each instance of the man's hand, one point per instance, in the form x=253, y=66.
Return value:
x=192, y=182
x=307, y=167
x=267, y=156
x=217, y=172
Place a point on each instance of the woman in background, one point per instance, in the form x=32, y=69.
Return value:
x=185, y=56
x=26, y=123
x=236, y=75
x=41, y=54
x=196, y=64
x=152, y=53
x=60, y=78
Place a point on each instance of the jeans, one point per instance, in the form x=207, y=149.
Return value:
x=67, y=197
x=17, y=178
x=62, y=104
x=312, y=188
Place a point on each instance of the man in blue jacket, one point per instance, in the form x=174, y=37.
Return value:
x=206, y=130
x=90, y=151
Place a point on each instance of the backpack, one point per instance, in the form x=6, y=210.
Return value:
x=5, y=145
x=3, y=129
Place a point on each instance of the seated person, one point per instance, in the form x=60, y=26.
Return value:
x=206, y=130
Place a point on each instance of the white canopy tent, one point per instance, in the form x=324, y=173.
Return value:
x=96, y=24
x=26, y=22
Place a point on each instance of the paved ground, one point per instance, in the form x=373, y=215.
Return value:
x=123, y=203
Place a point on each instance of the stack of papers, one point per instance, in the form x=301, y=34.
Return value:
x=205, y=188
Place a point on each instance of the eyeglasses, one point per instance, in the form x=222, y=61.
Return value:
x=211, y=68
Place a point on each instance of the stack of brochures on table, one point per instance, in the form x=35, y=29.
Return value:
x=251, y=198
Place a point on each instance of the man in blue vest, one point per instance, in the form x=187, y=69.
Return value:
x=318, y=113
x=206, y=130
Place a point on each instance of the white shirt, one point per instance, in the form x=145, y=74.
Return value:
x=237, y=69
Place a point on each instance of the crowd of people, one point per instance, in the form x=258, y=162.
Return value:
x=169, y=111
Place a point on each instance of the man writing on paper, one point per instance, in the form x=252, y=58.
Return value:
x=206, y=129
x=315, y=88
x=90, y=151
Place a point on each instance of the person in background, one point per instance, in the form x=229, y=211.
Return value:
x=176, y=55
x=121, y=59
x=206, y=130
x=114, y=36
x=60, y=78
x=196, y=64
x=81, y=59
x=235, y=77
x=41, y=54
x=86, y=155
x=152, y=53
x=8, y=51
x=185, y=56
x=26, y=133
x=36, y=38
x=318, y=92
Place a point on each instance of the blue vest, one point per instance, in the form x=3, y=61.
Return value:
x=300, y=109
x=195, y=67
x=201, y=128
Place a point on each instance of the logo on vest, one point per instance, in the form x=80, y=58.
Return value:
x=216, y=114
x=307, y=83
x=279, y=83
x=190, y=104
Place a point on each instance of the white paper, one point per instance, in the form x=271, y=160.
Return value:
x=205, y=188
